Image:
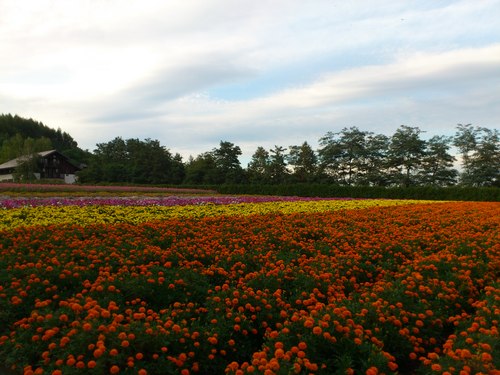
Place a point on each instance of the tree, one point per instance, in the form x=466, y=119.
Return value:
x=29, y=128
x=278, y=172
x=466, y=141
x=437, y=163
x=149, y=162
x=26, y=151
x=18, y=145
x=131, y=161
x=43, y=144
x=480, y=153
x=304, y=162
x=486, y=163
x=227, y=163
x=406, y=152
x=343, y=155
x=178, y=172
x=258, y=168
x=201, y=170
x=110, y=162
x=376, y=161
x=27, y=169
x=12, y=148
x=63, y=141
x=329, y=155
x=29, y=162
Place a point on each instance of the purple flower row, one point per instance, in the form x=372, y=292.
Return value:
x=148, y=201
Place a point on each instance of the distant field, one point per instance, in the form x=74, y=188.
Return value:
x=8, y=189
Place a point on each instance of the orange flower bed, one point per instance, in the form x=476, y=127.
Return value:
x=401, y=289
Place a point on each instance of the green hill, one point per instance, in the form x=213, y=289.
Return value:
x=15, y=130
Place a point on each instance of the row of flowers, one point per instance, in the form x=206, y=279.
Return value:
x=86, y=211
x=408, y=289
x=169, y=200
x=13, y=188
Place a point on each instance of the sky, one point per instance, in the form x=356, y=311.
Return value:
x=193, y=73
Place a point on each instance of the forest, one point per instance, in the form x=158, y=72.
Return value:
x=349, y=157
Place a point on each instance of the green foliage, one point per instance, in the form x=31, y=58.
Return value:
x=17, y=146
x=21, y=137
x=406, y=153
x=437, y=163
x=227, y=165
x=220, y=166
x=201, y=170
x=460, y=193
x=133, y=161
x=278, y=171
x=258, y=168
x=26, y=170
x=343, y=155
x=304, y=162
x=480, y=152
x=350, y=157
x=29, y=128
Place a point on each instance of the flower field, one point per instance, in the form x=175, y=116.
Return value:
x=86, y=211
x=236, y=285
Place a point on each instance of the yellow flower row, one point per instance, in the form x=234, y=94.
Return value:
x=100, y=214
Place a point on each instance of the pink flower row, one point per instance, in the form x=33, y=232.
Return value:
x=66, y=187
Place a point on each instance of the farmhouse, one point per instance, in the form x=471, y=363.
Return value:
x=52, y=164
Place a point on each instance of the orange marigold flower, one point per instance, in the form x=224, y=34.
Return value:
x=436, y=367
x=317, y=330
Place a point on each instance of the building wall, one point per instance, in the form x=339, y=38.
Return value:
x=70, y=178
x=54, y=166
x=6, y=177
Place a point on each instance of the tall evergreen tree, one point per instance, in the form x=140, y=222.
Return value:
x=228, y=166
x=304, y=163
x=258, y=167
x=178, y=170
x=278, y=171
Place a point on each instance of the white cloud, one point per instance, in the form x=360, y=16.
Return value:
x=102, y=68
x=410, y=75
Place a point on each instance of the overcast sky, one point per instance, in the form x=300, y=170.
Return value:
x=255, y=73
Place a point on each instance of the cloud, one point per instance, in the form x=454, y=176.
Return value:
x=144, y=99
x=409, y=76
x=408, y=91
x=192, y=73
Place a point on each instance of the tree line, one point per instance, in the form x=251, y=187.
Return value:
x=350, y=157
